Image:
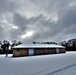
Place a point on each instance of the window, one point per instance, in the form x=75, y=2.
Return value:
x=31, y=51
x=57, y=50
x=17, y=49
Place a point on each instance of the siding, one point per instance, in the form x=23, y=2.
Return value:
x=44, y=51
x=20, y=52
x=37, y=51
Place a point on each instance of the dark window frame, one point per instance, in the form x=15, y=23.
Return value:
x=17, y=50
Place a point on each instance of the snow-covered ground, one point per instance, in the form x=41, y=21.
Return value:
x=55, y=64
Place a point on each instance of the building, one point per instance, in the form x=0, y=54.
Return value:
x=37, y=49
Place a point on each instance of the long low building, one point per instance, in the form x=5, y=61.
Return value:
x=37, y=49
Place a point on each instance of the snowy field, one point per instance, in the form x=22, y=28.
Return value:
x=55, y=64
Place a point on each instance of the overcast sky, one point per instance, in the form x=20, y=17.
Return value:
x=37, y=20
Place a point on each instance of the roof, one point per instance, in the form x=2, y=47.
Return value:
x=38, y=46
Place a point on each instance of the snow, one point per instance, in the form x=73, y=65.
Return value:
x=38, y=46
x=53, y=64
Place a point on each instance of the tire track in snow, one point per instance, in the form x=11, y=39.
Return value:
x=54, y=72
x=59, y=70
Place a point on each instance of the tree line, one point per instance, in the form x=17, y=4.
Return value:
x=45, y=43
x=6, y=46
x=69, y=45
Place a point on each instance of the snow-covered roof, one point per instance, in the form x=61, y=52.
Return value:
x=38, y=46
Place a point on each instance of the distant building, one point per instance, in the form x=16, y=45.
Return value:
x=37, y=49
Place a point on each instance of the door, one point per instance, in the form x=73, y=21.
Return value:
x=31, y=51
x=57, y=50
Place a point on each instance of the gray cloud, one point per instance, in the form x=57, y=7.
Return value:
x=49, y=20
x=20, y=21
